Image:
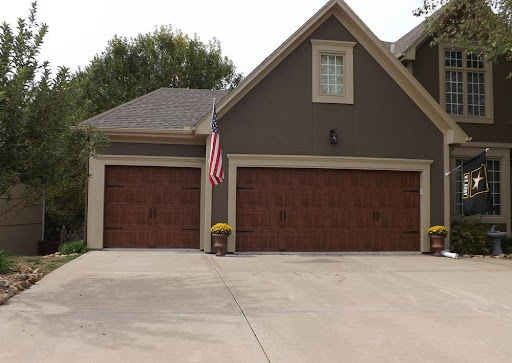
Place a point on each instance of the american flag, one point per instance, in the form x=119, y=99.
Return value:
x=216, y=170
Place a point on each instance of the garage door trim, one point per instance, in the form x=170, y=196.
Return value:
x=96, y=191
x=331, y=162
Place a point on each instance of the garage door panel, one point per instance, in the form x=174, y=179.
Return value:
x=129, y=237
x=182, y=238
x=258, y=217
x=126, y=215
x=329, y=210
x=148, y=205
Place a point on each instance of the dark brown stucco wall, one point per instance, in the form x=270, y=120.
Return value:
x=278, y=117
x=125, y=148
x=426, y=68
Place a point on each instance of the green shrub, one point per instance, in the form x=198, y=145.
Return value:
x=468, y=236
x=73, y=247
x=5, y=262
x=506, y=245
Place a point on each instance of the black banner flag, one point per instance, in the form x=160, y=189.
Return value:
x=476, y=196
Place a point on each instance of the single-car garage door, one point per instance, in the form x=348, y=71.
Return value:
x=155, y=207
x=284, y=209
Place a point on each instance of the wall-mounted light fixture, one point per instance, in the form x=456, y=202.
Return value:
x=333, y=136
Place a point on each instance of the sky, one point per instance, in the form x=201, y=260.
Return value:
x=248, y=30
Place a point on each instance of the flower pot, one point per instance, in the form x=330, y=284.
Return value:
x=220, y=241
x=437, y=244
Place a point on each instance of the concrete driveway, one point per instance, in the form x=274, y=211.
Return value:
x=182, y=306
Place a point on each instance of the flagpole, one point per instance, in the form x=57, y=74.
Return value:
x=458, y=167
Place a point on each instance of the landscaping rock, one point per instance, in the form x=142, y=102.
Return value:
x=4, y=283
x=501, y=256
x=25, y=270
x=465, y=256
x=4, y=298
x=26, y=284
x=33, y=279
x=19, y=286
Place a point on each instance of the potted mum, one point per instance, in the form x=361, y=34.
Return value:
x=220, y=233
x=437, y=235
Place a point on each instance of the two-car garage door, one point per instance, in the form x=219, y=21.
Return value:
x=282, y=209
x=155, y=207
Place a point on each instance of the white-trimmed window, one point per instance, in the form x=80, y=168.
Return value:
x=333, y=78
x=466, y=88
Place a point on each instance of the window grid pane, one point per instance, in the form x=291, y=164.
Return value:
x=454, y=93
x=474, y=61
x=493, y=176
x=476, y=94
x=453, y=58
x=331, y=74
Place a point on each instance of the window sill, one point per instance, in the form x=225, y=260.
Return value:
x=473, y=120
x=333, y=99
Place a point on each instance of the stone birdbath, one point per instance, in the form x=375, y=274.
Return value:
x=497, y=237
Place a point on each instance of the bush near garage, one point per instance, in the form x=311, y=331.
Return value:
x=468, y=236
x=69, y=248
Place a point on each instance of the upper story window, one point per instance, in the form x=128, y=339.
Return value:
x=333, y=71
x=466, y=86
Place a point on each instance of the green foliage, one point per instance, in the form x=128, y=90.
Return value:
x=39, y=147
x=485, y=26
x=130, y=68
x=468, y=236
x=73, y=247
x=506, y=245
x=5, y=262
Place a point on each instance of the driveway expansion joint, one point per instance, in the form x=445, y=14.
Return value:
x=240, y=307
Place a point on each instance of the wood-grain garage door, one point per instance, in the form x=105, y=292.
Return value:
x=327, y=210
x=152, y=207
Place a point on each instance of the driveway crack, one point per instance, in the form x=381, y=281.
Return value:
x=239, y=306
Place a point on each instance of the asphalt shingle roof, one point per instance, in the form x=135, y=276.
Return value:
x=163, y=109
x=408, y=40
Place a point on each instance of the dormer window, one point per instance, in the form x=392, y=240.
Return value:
x=465, y=86
x=333, y=71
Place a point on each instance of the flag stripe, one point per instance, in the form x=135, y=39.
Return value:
x=215, y=169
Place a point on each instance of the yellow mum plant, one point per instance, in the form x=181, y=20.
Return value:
x=437, y=231
x=221, y=228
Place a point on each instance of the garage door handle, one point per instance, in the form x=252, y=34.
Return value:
x=280, y=216
x=378, y=216
x=154, y=212
x=285, y=216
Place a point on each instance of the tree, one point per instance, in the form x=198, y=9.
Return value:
x=130, y=68
x=485, y=26
x=38, y=145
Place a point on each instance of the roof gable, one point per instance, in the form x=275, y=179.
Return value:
x=372, y=44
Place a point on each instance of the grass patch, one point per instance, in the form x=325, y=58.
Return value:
x=73, y=247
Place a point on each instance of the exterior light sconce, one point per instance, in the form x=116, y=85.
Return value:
x=333, y=136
